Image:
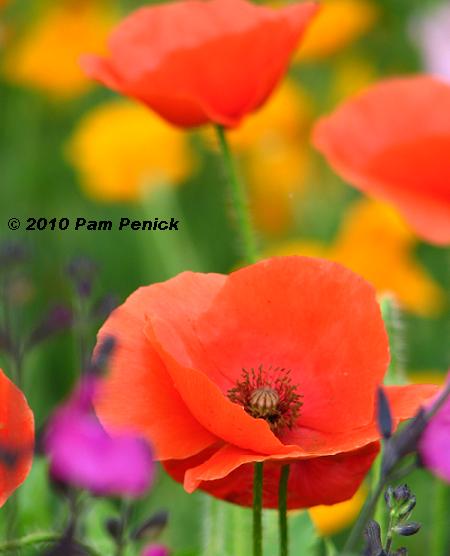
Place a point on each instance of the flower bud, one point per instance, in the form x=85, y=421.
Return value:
x=372, y=535
x=389, y=497
x=384, y=416
x=407, y=529
x=114, y=527
x=402, y=493
x=406, y=508
x=152, y=527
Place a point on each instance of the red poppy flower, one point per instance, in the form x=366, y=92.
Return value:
x=277, y=362
x=195, y=61
x=393, y=142
x=16, y=438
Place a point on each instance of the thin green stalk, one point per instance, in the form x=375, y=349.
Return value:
x=124, y=520
x=363, y=518
x=40, y=538
x=380, y=508
x=330, y=549
x=239, y=199
x=282, y=510
x=257, y=509
x=439, y=538
x=389, y=534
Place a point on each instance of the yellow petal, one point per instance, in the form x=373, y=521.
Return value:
x=121, y=149
x=338, y=23
x=331, y=519
x=46, y=56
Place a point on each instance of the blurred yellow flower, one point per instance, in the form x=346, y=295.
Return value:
x=272, y=146
x=121, y=150
x=376, y=243
x=46, y=56
x=338, y=23
x=427, y=377
x=331, y=519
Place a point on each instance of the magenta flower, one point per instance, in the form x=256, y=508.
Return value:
x=434, y=447
x=431, y=32
x=156, y=550
x=83, y=454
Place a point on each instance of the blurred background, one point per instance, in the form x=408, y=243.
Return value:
x=71, y=149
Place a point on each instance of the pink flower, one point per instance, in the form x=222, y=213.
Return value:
x=156, y=550
x=83, y=454
x=434, y=447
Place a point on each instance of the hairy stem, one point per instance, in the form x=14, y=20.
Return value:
x=239, y=199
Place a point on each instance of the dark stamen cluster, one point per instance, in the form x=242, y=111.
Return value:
x=268, y=394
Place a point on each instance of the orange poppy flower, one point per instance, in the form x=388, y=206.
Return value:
x=16, y=438
x=196, y=62
x=393, y=142
x=277, y=362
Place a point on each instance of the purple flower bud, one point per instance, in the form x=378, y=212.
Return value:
x=82, y=453
x=82, y=271
x=402, y=493
x=407, y=529
x=156, y=550
x=104, y=306
x=58, y=319
x=12, y=253
x=152, y=527
x=389, y=497
x=434, y=444
x=372, y=535
x=403, y=443
x=114, y=527
x=384, y=416
x=102, y=355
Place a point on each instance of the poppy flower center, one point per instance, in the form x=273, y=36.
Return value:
x=270, y=395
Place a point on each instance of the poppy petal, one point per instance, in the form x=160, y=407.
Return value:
x=405, y=401
x=101, y=69
x=138, y=393
x=316, y=334
x=392, y=142
x=163, y=56
x=16, y=438
x=228, y=475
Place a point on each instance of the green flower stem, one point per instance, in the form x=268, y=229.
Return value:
x=239, y=200
x=40, y=538
x=282, y=510
x=363, y=518
x=380, y=507
x=393, y=323
x=257, y=509
x=440, y=526
x=330, y=549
